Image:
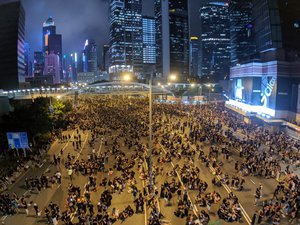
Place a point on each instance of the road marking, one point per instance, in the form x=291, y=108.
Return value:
x=252, y=181
x=82, y=146
x=4, y=218
x=195, y=210
x=245, y=214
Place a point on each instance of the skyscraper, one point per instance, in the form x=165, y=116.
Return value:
x=90, y=56
x=126, y=36
x=215, y=41
x=49, y=28
x=38, y=63
x=27, y=62
x=270, y=83
x=194, y=57
x=172, y=38
x=241, y=31
x=73, y=68
x=52, y=42
x=12, y=32
x=149, y=48
x=52, y=67
x=105, y=57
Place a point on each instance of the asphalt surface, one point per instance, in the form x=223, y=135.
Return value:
x=58, y=192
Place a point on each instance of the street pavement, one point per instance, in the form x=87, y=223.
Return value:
x=58, y=192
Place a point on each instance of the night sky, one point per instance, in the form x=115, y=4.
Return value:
x=78, y=20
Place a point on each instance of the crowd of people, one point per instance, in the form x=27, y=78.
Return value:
x=184, y=139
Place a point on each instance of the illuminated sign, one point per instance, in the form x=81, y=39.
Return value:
x=17, y=140
x=267, y=92
x=194, y=38
x=46, y=39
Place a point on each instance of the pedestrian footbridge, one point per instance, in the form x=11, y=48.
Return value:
x=106, y=88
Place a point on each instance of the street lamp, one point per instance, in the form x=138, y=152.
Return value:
x=150, y=135
x=173, y=77
x=127, y=77
x=209, y=86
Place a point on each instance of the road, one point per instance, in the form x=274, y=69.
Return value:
x=58, y=192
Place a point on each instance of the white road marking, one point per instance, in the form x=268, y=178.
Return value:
x=4, y=218
x=195, y=210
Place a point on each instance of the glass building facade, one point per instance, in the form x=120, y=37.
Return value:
x=38, y=63
x=172, y=38
x=215, y=41
x=12, y=33
x=49, y=28
x=27, y=62
x=126, y=35
x=241, y=31
x=90, y=56
x=194, y=57
x=270, y=84
x=149, y=47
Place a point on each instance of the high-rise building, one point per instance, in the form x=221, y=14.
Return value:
x=215, y=41
x=38, y=63
x=149, y=44
x=172, y=38
x=49, y=28
x=105, y=57
x=194, y=57
x=73, y=67
x=90, y=56
x=52, y=67
x=12, y=33
x=126, y=36
x=27, y=62
x=52, y=42
x=241, y=31
x=270, y=84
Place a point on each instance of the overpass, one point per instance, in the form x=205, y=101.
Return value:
x=107, y=88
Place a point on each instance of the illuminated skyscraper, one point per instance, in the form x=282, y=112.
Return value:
x=269, y=83
x=90, y=56
x=194, y=56
x=52, y=42
x=172, y=38
x=12, y=32
x=38, y=63
x=126, y=36
x=49, y=28
x=149, y=48
x=105, y=57
x=215, y=41
x=241, y=31
x=27, y=62
x=73, y=68
x=52, y=67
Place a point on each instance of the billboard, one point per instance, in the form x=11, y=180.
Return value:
x=17, y=140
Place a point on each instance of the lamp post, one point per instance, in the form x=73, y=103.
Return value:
x=209, y=85
x=150, y=135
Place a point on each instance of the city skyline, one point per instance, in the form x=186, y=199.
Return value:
x=94, y=24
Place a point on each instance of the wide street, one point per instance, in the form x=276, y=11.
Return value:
x=114, y=142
